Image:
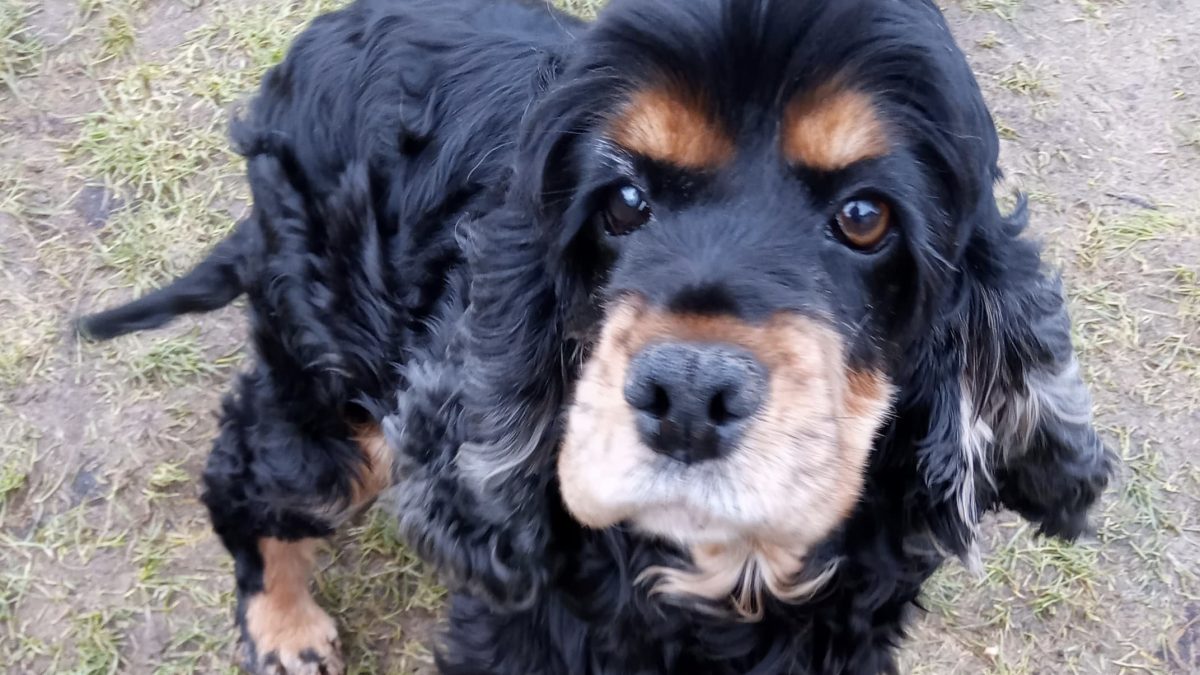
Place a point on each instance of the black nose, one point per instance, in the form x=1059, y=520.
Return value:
x=694, y=400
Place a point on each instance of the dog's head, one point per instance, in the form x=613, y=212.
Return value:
x=772, y=226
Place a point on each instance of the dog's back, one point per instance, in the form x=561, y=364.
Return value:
x=364, y=148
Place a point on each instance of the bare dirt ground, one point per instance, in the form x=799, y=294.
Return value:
x=114, y=175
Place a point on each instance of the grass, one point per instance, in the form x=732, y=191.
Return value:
x=147, y=139
x=1005, y=9
x=166, y=479
x=230, y=54
x=173, y=362
x=990, y=40
x=1044, y=575
x=20, y=50
x=26, y=339
x=1026, y=79
x=97, y=648
x=158, y=140
x=1006, y=130
x=118, y=35
x=18, y=452
x=1110, y=236
x=375, y=591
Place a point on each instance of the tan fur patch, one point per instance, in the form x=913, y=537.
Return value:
x=833, y=128
x=376, y=475
x=666, y=125
x=284, y=623
x=750, y=517
x=373, y=477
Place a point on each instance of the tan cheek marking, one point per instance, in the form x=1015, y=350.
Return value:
x=868, y=402
x=283, y=619
x=803, y=403
x=669, y=126
x=594, y=419
x=832, y=129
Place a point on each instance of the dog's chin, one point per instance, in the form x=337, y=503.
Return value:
x=700, y=505
x=737, y=545
x=686, y=526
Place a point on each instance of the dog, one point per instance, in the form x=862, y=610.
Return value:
x=691, y=340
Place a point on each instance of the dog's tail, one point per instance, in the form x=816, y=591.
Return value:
x=215, y=282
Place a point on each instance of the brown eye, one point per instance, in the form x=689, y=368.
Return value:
x=625, y=211
x=864, y=222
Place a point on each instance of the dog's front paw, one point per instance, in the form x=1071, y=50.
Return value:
x=296, y=638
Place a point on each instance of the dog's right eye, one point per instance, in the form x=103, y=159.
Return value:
x=625, y=210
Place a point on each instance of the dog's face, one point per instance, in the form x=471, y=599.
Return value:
x=770, y=224
x=761, y=187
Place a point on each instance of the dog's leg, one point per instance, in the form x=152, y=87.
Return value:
x=284, y=630
x=274, y=489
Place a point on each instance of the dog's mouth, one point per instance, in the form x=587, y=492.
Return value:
x=745, y=445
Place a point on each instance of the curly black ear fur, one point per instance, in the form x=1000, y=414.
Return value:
x=1010, y=414
x=478, y=426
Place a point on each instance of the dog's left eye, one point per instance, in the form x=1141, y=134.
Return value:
x=864, y=222
x=625, y=211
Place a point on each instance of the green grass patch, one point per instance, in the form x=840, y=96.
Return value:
x=97, y=647
x=18, y=454
x=147, y=140
x=20, y=50
x=117, y=37
x=77, y=534
x=1108, y=237
x=202, y=646
x=158, y=139
x=1032, y=80
x=376, y=587
x=230, y=54
x=1045, y=574
x=166, y=480
x=989, y=41
x=172, y=362
x=1005, y=9
x=27, y=334
x=1006, y=131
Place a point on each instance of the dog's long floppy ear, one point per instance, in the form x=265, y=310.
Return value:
x=1011, y=418
x=522, y=297
x=991, y=389
x=1050, y=465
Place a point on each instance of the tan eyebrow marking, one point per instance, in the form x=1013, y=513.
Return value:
x=832, y=128
x=667, y=125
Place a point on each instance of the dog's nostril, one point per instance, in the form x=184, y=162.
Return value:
x=660, y=403
x=718, y=412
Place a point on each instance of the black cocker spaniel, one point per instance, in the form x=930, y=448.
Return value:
x=688, y=341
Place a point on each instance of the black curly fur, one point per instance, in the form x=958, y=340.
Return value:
x=421, y=256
